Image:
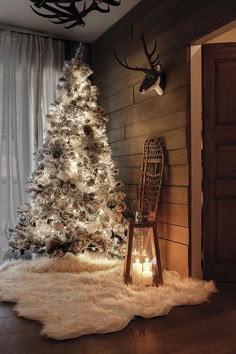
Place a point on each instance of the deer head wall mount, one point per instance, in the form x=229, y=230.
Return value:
x=65, y=11
x=154, y=76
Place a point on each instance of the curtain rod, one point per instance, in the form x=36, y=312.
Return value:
x=26, y=31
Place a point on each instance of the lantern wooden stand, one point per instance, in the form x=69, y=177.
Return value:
x=151, y=179
x=156, y=268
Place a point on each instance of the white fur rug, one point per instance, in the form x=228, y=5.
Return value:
x=77, y=295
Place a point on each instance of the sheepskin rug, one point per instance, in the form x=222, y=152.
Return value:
x=77, y=295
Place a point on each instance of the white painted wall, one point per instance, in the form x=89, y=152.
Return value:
x=229, y=36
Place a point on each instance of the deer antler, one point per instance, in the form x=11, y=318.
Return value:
x=69, y=13
x=156, y=61
x=93, y=7
x=126, y=65
x=153, y=63
x=40, y=3
x=154, y=77
x=110, y=2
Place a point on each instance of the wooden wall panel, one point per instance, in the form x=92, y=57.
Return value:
x=133, y=117
x=116, y=134
x=131, y=191
x=177, y=157
x=176, y=176
x=174, y=256
x=130, y=175
x=173, y=233
x=128, y=160
x=172, y=139
x=159, y=124
x=174, y=214
x=129, y=80
x=178, y=195
x=149, y=109
x=173, y=157
x=118, y=101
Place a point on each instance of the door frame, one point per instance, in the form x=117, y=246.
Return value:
x=195, y=149
x=196, y=158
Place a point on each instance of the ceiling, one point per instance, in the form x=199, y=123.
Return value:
x=18, y=13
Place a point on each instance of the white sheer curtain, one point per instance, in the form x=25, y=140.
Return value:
x=29, y=70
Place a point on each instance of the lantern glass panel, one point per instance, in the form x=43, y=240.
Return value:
x=142, y=258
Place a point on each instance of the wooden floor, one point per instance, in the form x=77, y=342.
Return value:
x=208, y=328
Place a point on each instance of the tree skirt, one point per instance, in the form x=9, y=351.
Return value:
x=77, y=295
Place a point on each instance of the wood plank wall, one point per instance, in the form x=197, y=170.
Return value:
x=133, y=117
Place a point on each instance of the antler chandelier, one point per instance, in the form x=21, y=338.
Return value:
x=66, y=12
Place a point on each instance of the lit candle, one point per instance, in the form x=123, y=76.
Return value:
x=135, y=253
x=137, y=267
x=147, y=266
x=147, y=278
x=137, y=272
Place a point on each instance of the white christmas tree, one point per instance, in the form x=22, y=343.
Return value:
x=76, y=204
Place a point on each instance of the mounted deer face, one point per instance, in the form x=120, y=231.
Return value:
x=154, y=76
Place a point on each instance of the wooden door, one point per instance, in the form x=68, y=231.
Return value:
x=219, y=161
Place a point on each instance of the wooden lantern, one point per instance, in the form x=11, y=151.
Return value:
x=143, y=262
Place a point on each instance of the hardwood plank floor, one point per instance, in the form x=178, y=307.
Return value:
x=209, y=328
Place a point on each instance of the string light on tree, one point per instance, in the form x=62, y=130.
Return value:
x=76, y=205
